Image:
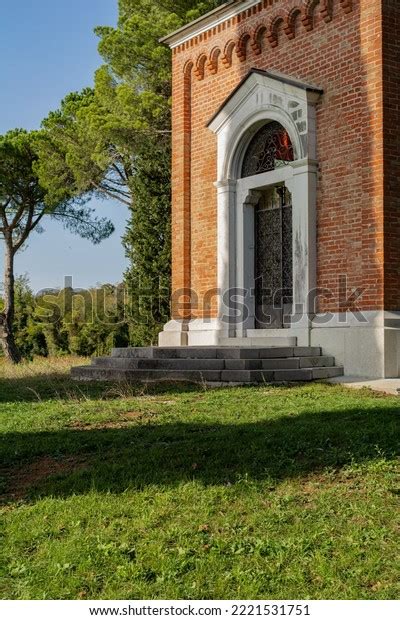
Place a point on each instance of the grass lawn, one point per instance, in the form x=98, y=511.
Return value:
x=180, y=492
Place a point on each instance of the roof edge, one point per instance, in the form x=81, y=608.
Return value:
x=207, y=21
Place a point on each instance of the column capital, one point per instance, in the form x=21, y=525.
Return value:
x=225, y=184
x=303, y=166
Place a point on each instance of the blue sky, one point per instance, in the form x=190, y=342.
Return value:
x=47, y=49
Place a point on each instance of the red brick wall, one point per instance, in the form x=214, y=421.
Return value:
x=391, y=132
x=338, y=47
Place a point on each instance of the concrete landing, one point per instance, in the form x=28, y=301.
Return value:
x=387, y=386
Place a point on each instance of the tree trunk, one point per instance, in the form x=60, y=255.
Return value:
x=7, y=316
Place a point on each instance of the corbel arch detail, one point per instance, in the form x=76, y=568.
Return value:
x=200, y=66
x=347, y=5
x=257, y=38
x=227, y=54
x=310, y=6
x=188, y=68
x=290, y=27
x=326, y=10
x=242, y=45
x=309, y=12
x=275, y=23
x=213, y=61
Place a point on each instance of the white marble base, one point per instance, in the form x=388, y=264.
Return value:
x=173, y=339
x=362, y=351
x=369, y=349
x=175, y=334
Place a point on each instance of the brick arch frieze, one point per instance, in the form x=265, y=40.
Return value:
x=248, y=41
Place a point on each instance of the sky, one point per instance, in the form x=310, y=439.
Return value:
x=48, y=49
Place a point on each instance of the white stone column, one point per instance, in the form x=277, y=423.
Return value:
x=247, y=201
x=303, y=187
x=226, y=241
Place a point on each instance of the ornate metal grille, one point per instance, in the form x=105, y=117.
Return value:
x=270, y=148
x=273, y=258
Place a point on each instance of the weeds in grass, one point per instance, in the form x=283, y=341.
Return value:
x=124, y=389
x=48, y=375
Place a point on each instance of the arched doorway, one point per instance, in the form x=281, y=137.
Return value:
x=269, y=149
x=266, y=142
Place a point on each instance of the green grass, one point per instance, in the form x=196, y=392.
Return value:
x=248, y=493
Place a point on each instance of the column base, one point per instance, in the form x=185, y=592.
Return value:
x=195, y=332
x=175, y=334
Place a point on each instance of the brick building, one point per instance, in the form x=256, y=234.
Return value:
x=286, y=179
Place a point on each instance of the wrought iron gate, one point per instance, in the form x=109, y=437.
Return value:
x=273, y=259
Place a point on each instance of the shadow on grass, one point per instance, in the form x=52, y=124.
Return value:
x=169, y=454
x=44, y=387
x=58, y=386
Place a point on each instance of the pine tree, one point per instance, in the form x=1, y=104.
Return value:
x=140, y=67
x=115, y=142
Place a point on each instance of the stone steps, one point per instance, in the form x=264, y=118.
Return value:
x=212, y=365
x=218, y=352
x=260, y=341
x=290, y=363
x=90, y=373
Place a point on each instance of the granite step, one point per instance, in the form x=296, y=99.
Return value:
x=218, y=352
x=95, y=373
x=265, y=341
x=126, y=363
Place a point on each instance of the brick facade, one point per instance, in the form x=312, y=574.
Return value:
x=338, y=45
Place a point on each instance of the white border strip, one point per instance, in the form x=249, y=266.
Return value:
x=287, y=610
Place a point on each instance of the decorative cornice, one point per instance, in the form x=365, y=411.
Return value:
x=281, y=20
x=233, y=13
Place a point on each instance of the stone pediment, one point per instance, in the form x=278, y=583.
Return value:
x=265, y=95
